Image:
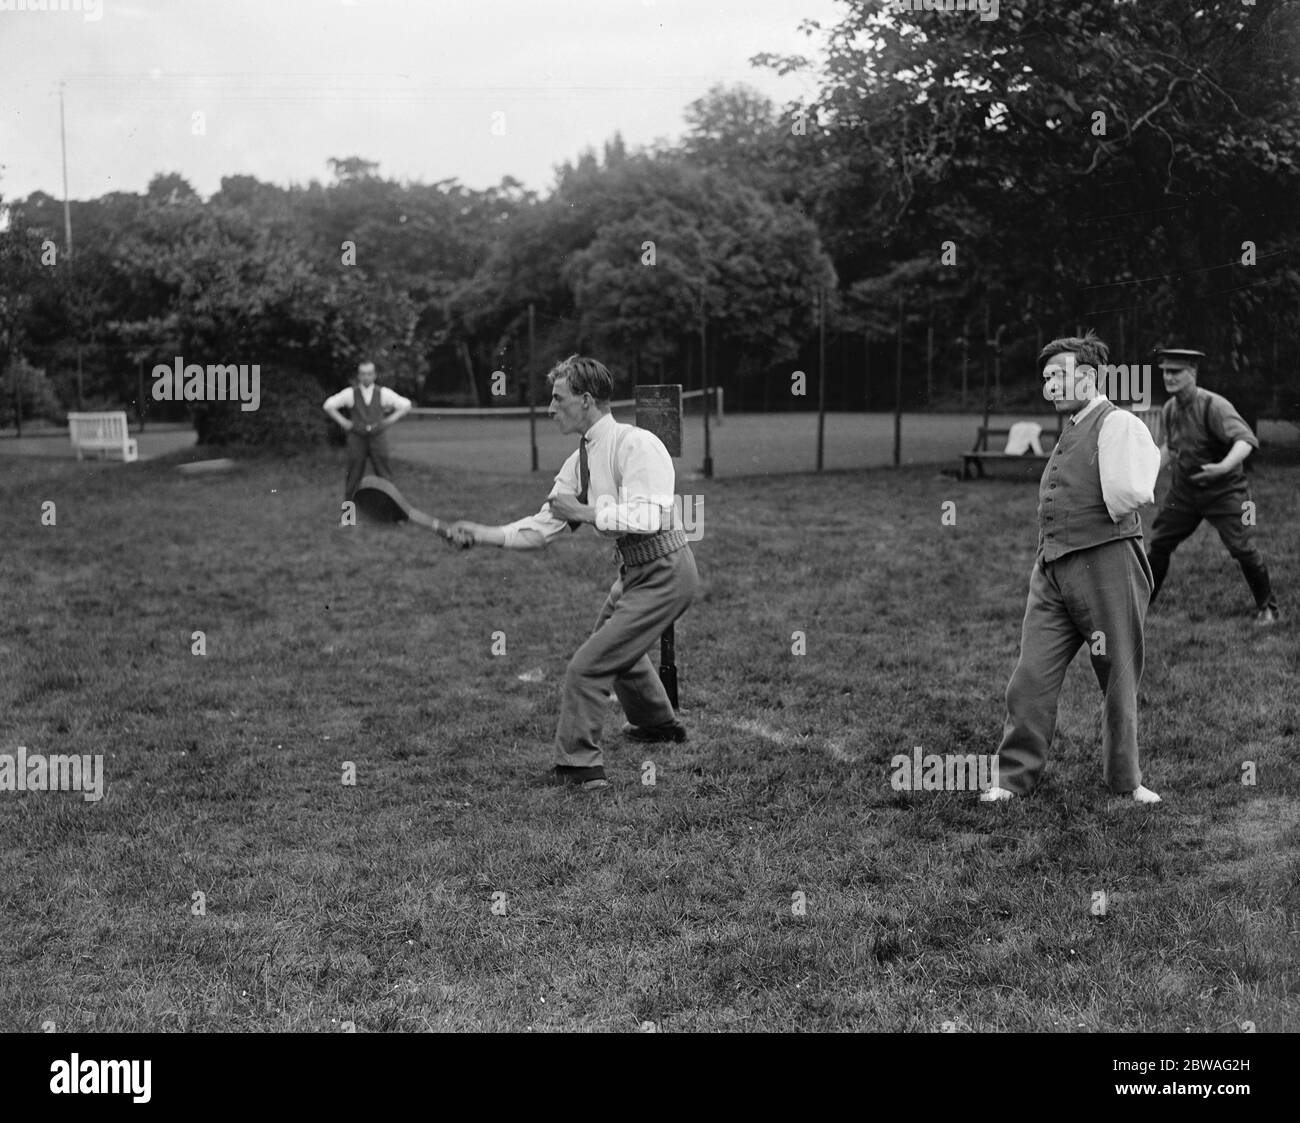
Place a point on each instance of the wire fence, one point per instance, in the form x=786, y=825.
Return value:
x=692, y=406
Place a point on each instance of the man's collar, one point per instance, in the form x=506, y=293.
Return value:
x=1080, y=414
x=600, y=427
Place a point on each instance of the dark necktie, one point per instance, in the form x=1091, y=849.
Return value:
x=584, y=474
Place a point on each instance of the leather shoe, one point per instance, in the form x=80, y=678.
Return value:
x=669, y=731
x=563, y=776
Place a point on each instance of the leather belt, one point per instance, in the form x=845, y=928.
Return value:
x=641, y=549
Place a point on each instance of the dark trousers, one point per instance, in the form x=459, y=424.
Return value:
x=641, y=604
x=1224, y=509
x=1096, y=597
x=360, y=447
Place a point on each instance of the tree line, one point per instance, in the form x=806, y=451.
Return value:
x=958, y=190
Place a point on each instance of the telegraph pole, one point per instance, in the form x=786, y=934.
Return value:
x=67, y=233
x=67, y=211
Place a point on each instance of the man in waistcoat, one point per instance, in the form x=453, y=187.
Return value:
x=1207, y=442
x=621, y=480
x=1091, y=581
x=367, y=427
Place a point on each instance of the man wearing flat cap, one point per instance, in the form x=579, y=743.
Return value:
x=1206, y=441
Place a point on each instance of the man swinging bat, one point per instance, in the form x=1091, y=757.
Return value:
x=621, y=480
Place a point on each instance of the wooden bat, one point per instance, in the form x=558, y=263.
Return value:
x=378, y=500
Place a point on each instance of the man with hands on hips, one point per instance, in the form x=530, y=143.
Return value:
x=367, y=427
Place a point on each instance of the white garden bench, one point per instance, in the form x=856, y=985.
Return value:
x=1024, y=444
x=102, y=433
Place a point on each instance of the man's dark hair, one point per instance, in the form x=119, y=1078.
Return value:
x=584, y=376
x=1089, y=351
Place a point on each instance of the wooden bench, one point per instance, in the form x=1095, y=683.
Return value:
x=981, y=451
x=103, y=433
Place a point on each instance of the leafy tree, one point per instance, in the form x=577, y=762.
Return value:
x=582, y=257
x=21, y=251
x=1109, y=158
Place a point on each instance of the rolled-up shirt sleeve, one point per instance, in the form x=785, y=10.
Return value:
x=341, y=400
x=1228, y=425
x=537, y=531
x=1128, y=462
x=645, y=502
x=391, y=399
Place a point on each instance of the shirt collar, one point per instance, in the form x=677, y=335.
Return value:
x=1079, y=415
x=599, y=429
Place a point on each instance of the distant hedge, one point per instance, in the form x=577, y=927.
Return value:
x=25, y=386
x=288, y=416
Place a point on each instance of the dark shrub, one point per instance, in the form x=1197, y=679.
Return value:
x=289, y=416
x=26, y=386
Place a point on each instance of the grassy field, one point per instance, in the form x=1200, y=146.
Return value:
x=672, y=904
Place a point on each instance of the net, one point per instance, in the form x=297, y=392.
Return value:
x=625, y=409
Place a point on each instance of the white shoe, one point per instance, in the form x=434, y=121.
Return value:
x=1143, y=795
x=996, y=795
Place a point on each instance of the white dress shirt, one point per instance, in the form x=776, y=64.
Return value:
x=388, y=399
x=632, y=481
x=1127, y=460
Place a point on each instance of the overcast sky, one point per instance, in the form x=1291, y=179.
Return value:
x=285, y=84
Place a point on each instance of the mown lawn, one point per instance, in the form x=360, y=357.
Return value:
x=671, y=904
